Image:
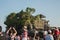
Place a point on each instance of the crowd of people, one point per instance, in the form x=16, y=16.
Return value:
x=11, y=34
x=52, y=34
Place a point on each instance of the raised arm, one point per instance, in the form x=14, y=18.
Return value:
x=14, y=31
x=8, y=30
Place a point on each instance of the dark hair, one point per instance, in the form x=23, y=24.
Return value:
x=50, y=32
x=11, y=31
x=0, y=28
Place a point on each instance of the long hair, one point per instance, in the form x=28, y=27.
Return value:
x=11, y=31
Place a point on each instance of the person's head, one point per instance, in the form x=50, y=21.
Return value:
x=49, y=32
x=11, y=32
x=0, y=28
x=25, y=27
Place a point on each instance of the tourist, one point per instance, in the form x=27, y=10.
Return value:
x=49, y=36
x=12, y=34
x=56, y=33
x=24, y=34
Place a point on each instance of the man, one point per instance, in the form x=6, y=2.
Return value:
x=49, y=36
x=24, y=34
x=56, y=33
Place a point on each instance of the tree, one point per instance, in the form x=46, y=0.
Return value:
x=10, y=20
x=18, y=20
x=30, y=10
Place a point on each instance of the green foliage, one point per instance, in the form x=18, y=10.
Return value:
x=18, y=20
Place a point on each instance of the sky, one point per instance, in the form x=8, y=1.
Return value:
x=49, y=8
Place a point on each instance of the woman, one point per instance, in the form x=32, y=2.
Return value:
x=11, y=35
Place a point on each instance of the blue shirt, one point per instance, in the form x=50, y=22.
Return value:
x=49, y=37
